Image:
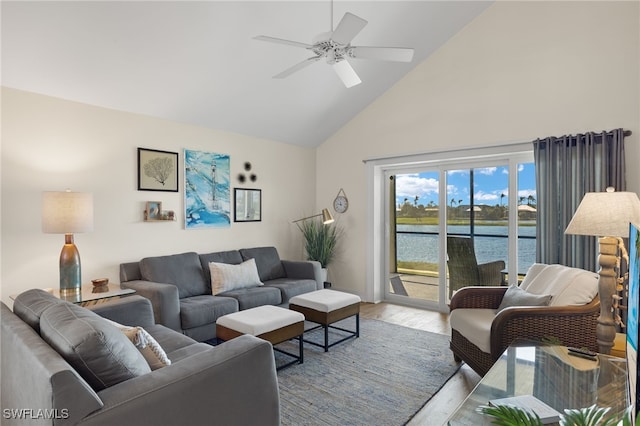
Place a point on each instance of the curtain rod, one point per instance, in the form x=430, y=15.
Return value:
x=625, y=133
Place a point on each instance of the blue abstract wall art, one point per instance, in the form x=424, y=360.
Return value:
x=206, y=190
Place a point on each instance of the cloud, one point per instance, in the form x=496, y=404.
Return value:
x=488, y=171
x=484, y=196
x=411, y=185
x=526, y=192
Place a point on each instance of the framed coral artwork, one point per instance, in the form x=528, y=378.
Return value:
x=157, y=170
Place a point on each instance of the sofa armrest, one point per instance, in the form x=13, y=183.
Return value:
x=129, y=310
x=164, y=299
x=234, y=383
x=302, y=269
x=543, y=322
x=477, y=297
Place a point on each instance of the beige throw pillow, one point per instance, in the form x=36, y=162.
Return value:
x=225, y=276
x=149, y=347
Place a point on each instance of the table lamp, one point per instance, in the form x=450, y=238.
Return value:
x=68, y=213
x=606, y=215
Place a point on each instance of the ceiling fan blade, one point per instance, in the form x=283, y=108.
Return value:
x=346, y=73
x=396, y=54
x=350, y=25
x=296, y=67
x=283, y=41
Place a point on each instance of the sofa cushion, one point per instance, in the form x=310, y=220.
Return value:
x=566, y=285
x=267, y=260
x=150, y=349
x=182, y=270
x=99, y=352
x=290, y=287
x=225, y=277
x=475, y=325
x=201, y=310
x=255, y=296
x=232, y=257
x=515, y=296
x=30, y=305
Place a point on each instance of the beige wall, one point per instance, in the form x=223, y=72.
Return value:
x=521, y=70
x=50, y=144
x=518, y=72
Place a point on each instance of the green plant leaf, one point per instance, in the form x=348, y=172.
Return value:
x=507, y=415
x=320, y=241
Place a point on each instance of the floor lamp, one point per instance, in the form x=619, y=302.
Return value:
x=606, y=215
x=326, y=217
x=68, y=213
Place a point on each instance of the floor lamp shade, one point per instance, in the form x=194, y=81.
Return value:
x=68, y=213
x=606, y=215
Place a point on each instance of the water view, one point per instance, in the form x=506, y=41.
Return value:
x=424, y=247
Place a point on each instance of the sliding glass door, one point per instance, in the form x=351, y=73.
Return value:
x=448, y=221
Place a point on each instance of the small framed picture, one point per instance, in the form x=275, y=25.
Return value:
x=153, y=210
x=157, y=170
x=248, y=205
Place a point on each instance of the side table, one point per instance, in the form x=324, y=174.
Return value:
x=551, y=375
x=89, y=295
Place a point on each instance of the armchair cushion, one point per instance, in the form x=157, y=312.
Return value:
x=567, y=286
x=515, y=296
x=475, y=325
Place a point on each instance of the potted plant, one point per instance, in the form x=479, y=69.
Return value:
x=320, y=241
x=589, y=416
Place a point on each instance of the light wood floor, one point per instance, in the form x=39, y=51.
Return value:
x=444, y=403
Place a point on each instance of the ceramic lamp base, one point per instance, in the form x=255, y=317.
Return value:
x=70, y=276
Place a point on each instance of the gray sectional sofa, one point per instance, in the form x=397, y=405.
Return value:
x=179, y=286
x=63, y=364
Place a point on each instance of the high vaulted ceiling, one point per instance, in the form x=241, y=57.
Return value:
x=197, y=62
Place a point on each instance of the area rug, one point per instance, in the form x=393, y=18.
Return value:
x=383, y=377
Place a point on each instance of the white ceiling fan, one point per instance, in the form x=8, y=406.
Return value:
x=335, y=46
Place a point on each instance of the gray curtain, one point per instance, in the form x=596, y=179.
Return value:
x=567, y=167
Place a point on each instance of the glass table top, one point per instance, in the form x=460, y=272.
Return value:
x=553, y=376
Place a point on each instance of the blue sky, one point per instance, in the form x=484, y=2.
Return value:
x=489, y=184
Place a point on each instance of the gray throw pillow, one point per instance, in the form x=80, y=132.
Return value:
x=98, y=351
x=515, y=296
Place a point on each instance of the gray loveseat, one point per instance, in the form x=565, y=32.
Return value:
x=234, y=383
x=179, y=286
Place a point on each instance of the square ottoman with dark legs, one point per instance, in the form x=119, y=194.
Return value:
x=326, y=307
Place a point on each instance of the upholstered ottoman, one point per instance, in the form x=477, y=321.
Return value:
x=325, y=307
x=271, y=323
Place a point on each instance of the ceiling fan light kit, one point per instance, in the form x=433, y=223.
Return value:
x=335, y=47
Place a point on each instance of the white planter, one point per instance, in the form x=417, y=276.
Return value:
x=323, y=274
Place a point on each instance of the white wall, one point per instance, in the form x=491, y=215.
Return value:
x=50, y=144
x=519, y=71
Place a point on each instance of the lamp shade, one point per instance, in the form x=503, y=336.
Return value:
x=605, y=214
x=67, y=212
x=326, y=217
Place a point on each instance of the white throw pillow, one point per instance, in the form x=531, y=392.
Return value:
x=225, y=276
x=146, y=344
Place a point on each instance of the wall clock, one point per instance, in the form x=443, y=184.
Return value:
x=341, y=203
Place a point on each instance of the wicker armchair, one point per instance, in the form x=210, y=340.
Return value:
x=464, y=269
x=573, y=325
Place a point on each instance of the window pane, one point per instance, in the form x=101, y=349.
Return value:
x=417, y=219
x=527, y=212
